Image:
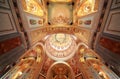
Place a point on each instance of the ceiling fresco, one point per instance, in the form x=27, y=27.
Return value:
x=32, y=7
x=60, y=70
x=60, y=13
x=60, y=46
x=87, y=7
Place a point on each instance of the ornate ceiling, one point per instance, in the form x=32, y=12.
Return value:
x=63, y=45
x=60, y=13
x=60, y=70
x=87, y=7
x=60, y=46
x=32, y=7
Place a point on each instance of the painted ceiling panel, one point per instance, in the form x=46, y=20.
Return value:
x=60, y=13
x=88, y=7
x=32, y=7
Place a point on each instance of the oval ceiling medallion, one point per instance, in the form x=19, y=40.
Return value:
x=60, y=46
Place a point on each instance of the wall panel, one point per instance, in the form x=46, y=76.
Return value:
x=113, y=23
x=7, y=24
x=11, y=39
x=107, y=41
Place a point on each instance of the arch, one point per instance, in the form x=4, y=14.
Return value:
x=60, y=70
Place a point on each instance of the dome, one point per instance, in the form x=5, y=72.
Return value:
x=60, y=46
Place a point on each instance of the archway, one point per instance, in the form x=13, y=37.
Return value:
x=60, y=70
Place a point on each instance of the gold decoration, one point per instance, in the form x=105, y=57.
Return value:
x=88, y=7
x=60, y=46
x=32, y=6
x=60, y=20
